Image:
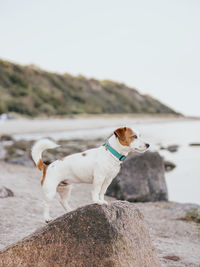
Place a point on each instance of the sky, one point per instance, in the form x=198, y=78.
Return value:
x=153, y=46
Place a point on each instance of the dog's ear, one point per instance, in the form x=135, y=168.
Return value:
x=120, y=133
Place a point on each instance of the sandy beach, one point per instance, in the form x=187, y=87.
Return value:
x=22, y=214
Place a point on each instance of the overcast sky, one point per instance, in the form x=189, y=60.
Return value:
x=153, y=45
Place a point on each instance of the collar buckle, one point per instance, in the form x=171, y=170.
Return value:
x=114, y=152
x=122, y=158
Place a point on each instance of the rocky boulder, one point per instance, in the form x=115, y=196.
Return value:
x=170, y=148
x=26, y=161
x=5, y=192
x=6, y=137
x=173, y=148
x=169, y=166
x=104, y=236
x=141, y=179
x=2, y=152
x=194, y=144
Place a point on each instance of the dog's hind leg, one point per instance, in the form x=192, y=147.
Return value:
x=49, y=191
x=48, y=197
x=64, y=191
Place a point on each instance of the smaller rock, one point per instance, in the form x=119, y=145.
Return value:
x=22, y=145
x=169, y=166
x=5, y=192
x=141, y=179
x=19, y=152
x=6, y=137
x=21, y=161
x=192, y=215
x=194, y=144
x=186, y=212
x=172, y=148
x=162, y=148
x=172, y=257
x=2, y=152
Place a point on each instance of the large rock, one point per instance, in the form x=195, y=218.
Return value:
x=141, y=179
x=104, y=236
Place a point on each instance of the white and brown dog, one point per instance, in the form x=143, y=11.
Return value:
x=97, y=166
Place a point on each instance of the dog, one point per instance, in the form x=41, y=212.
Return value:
x=97, y=166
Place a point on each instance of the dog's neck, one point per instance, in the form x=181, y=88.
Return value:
x=114, y=142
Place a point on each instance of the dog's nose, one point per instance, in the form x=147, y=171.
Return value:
x=147, y=145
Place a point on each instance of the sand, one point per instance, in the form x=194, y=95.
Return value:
x=22, y=215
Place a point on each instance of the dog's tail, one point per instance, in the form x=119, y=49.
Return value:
x=37, y=150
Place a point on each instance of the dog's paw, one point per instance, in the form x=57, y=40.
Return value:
x=105, y=202
x=48, y=220
x=69, y=209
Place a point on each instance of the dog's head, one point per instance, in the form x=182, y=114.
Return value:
x=127, y=137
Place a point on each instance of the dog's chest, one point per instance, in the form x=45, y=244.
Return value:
x=110, y=169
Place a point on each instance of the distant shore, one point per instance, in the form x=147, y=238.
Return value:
x=47, y=125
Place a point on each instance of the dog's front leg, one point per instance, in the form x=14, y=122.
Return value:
x=97, y=184
x=104, y=187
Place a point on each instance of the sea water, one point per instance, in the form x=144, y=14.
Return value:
x=184, y=181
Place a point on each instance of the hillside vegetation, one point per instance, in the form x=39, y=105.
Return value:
x=30, y=91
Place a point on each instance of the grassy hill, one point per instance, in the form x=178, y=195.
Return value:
x=30, y=91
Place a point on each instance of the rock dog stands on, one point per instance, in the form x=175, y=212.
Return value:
x=113, y=235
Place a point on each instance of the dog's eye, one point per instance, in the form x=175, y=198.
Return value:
x=135, y=137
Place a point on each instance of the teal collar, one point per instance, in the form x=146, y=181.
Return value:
x=114, y=152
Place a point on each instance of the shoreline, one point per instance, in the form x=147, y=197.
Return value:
x=49, y=125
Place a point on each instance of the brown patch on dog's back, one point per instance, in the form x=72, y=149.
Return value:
x=125, y=135
x=83, y=154
x=42, y=166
